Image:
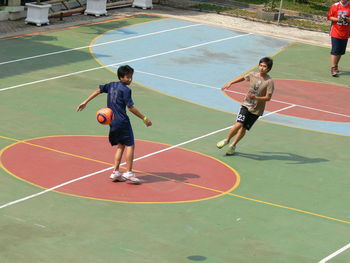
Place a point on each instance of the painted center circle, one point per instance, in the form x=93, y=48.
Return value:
x=175, y=175
x=313, y=100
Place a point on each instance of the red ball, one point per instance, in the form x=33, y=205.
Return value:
x=104, y=116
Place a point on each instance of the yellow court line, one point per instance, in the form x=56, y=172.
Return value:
x=190, y=184
x=54, y=150
x=80, y=25
x=254, y=200
x=289, y=208
x=111, y=164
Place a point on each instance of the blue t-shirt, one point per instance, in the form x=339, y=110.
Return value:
x=118, y=98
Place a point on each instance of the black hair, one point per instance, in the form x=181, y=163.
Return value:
x=268, y=61
x=125, y=70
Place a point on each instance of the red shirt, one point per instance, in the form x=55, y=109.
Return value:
x=339, y=30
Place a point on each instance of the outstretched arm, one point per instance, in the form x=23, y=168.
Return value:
x=140, y=115
x=228, y=84
x=85, y=102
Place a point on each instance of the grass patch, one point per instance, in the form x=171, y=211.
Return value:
x=313, y=7
x=211, y=7
x=242, y=12
x=302, y=23
x=324, y=27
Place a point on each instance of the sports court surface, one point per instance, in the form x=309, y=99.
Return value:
x=283, y=198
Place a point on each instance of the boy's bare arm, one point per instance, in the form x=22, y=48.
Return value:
x=228, y=84
x=140, y=115
x=85, y=102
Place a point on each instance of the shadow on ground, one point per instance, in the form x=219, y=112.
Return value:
x=154, y=177
x=291, y=158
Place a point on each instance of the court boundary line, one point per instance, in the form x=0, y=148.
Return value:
x=99, y=44
x=336, y=253
x=237, y=92
x=125, y=62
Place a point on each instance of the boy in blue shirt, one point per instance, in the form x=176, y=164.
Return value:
x=120, y=133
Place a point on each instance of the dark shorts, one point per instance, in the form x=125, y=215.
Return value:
x=246, y=118
x=338, y=46
x=121, y=135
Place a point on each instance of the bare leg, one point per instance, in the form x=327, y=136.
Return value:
x=234, y=129
x=240, y=135
x=129, y=155
x=118, y=156
x=335, y=60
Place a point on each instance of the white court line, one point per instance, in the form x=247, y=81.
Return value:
x=136, y=159
x=23, y=221
x=100, y=44
x=125, y=62
x=237, y=92
x=336, y=253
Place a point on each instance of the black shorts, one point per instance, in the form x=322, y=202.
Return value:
x=246, y=118
x=338, y=46
x=121, y=135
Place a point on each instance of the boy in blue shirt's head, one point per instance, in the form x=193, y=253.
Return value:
x=120, y=133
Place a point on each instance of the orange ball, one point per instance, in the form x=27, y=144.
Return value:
x=104, y=116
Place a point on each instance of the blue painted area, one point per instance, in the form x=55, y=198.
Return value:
x=324, y=126
x=212, y=97
x=140, y=29
x=168, y=54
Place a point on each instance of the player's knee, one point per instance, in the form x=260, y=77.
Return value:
x=239, y=125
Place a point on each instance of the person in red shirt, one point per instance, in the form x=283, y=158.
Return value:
x=339, y=16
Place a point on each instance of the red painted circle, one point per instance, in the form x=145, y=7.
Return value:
x=175, y=175
x=316, y=100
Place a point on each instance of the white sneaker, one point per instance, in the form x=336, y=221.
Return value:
x=117, y=176
x=231, y=150
x=131, y=176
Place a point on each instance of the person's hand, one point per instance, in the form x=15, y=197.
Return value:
x=226, y=86
x=148, y=122
x=81, y=106
x=251, y=96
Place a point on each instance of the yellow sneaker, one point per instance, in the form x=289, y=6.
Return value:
x=222, y=143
